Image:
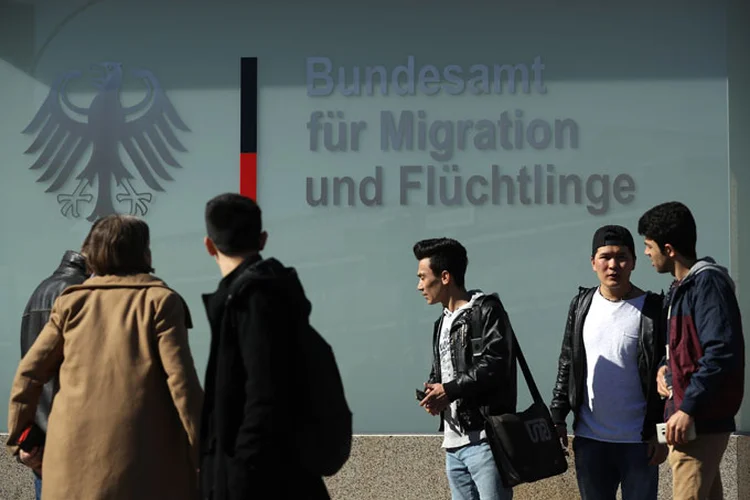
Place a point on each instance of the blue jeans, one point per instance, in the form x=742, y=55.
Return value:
x=602, y=467
x=473, y=475
x=38, y=488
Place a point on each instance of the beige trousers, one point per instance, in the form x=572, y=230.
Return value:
x=695, y=467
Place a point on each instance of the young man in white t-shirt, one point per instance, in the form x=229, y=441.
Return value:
x=613, y=343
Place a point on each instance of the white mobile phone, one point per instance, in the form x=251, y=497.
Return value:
x=661, y=433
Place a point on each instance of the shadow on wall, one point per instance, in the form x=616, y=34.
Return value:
x=17, y=34
x=192, y=44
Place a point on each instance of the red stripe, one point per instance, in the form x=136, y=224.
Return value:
x=249, y=175
x=23, y=436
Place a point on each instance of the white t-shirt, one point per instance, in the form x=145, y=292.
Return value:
x=453, y=435
x=614, y=406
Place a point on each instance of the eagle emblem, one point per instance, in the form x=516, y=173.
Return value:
x=145, y=132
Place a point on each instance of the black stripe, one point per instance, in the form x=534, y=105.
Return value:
x=249, y=105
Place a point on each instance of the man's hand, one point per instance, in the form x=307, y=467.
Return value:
x=562, y=433
x=436, y=400
x=661, y=382
x=677, y=427
x=32, y=459
x=657, y=452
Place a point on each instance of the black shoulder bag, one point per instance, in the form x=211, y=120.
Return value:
x=524, y=444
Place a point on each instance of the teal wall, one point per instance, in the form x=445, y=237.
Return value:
x=646, y=87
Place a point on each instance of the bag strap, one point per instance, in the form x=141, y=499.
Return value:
x=477, y=332
x=533, y=389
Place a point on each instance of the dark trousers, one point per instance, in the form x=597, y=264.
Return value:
x=602, y=467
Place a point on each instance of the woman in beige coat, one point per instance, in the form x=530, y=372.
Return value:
x=125, y=422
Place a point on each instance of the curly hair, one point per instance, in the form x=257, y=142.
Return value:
x=670, y=223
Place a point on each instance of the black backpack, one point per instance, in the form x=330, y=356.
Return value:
x=324, y=431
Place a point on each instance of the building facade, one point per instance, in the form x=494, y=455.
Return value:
x=362, y=129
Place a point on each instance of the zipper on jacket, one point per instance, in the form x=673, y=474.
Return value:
x=458, y=348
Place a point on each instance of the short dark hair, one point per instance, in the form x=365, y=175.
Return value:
x=233, y=223
x=445, y=254
x=118, y=244
x=670, y=223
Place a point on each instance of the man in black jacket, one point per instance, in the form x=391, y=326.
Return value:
x=472, y=371
x=613, y=343
x=250, y=406
x=71, y=271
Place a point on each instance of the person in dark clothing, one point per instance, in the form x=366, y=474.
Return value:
x=612, y=346
x=247, y=447
x=71, y=271
x=704, y=368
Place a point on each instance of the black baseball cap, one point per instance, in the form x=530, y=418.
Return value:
x=612, y=235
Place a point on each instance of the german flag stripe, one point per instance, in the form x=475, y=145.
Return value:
x=249, y=127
